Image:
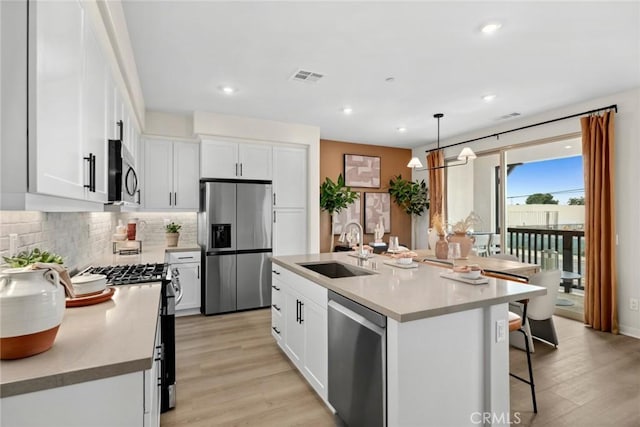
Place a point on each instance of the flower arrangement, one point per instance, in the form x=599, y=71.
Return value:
x=466, y=224
x=438, y=225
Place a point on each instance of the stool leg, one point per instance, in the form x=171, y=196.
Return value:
x=533, y=389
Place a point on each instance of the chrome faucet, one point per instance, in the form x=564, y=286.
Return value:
x=361, y=252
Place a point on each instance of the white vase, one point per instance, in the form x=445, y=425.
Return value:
x=32, y=304
x=172, y=239
x=432, y=238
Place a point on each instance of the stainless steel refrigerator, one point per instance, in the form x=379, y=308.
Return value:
x=234, y=232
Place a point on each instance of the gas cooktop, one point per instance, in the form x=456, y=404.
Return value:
x=130, y=274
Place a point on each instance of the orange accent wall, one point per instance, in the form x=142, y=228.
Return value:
x=393, y=162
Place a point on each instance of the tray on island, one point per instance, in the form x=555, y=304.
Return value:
x=95, y=298
x=454, y=276
x=393, y=263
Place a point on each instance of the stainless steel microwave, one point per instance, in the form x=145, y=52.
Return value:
x=123, y=179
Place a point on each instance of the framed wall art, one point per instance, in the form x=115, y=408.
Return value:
x=361, y=171
x=377, y=206
x=351, y=213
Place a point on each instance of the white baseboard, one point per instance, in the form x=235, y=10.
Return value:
x=630, y=331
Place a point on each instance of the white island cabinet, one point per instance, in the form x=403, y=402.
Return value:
x=103, y=369
x=445, y=360
x=299, y=324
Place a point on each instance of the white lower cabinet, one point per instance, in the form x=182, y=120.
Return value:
x=187, y=266
x=131, y=399
x=277, y=303
x=303, y=315
x=152, y=379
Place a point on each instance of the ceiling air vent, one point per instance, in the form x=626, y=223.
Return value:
x=306, y=76
x=508, y=116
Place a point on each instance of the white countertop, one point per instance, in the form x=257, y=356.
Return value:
x=94, y=342
x=408, y=294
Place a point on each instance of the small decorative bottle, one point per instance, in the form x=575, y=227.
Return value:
x=442, y=247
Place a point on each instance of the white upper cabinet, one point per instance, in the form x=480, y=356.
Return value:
x=56, y=66
x=157, y=192
x=186, y=176
x=289, y=177
x=232, y=160
x=74, y=104
x=255, y=161
x=171, y=176
x=94, y=107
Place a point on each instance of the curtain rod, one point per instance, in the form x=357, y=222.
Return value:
x=497, y=135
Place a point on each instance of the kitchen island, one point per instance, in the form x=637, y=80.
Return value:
x=447, y=359
x=100, y=370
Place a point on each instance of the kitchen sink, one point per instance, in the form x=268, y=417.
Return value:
x=336, y=270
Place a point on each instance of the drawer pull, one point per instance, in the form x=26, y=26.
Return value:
x=275, y=306
x=276, y=330
x=276, y=272
x=275, y=287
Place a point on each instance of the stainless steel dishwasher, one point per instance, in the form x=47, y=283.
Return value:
x=357, y=363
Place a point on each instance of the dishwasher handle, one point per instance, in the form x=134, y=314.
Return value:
x=374, y=317
x=356, y=318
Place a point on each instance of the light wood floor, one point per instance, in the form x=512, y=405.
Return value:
x=230, y=372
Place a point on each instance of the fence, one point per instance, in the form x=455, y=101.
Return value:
x=527, y=244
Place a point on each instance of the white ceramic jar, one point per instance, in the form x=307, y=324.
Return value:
x=32, y=304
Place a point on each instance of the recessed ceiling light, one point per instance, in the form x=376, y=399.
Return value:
x=568, y=146
x=390, y=79
x=347, y=110
x=491, y=28
x=228, y=90
x=402, y=129
x=489, y=97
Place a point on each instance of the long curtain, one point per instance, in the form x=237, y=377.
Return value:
x=436, y=184
x=600, y=299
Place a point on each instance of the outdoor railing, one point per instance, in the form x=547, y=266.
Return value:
x=528, y=242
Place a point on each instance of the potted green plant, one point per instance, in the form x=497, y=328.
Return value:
x=173, y=234
x=411, y=196
x=334, y=197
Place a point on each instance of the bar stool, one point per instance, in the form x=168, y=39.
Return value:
x=517, y=323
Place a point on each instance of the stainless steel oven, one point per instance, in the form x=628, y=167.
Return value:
x=123, y=179
x=171, y=292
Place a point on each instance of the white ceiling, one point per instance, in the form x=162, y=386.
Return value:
x=546, y=55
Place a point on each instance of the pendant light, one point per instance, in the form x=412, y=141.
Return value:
x=465, y=155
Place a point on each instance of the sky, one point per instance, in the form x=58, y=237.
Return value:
x=563, y=178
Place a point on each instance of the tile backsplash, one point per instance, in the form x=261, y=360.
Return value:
x=84, y=236
x=153, y=233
